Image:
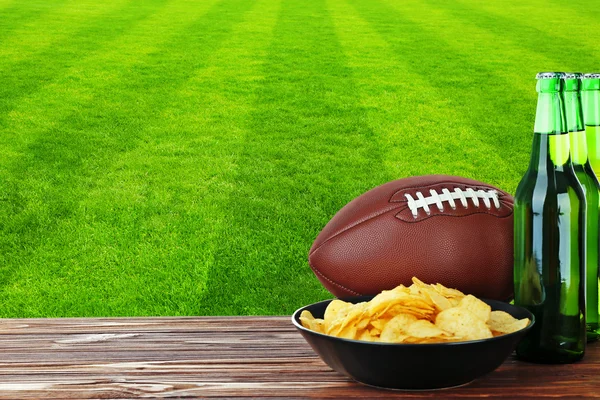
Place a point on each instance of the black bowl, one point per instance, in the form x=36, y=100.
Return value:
x=413, y=366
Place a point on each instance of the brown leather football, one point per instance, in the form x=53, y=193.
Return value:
x=441, y=229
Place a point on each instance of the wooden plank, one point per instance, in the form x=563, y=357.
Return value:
x=222, y=357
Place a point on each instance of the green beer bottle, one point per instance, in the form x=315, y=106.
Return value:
x=549, y=237
x=590, y=95
x=591, y=187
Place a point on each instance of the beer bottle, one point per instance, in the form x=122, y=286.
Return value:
x=549, y=237
x=590, y=94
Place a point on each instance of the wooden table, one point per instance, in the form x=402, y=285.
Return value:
x=222, y=356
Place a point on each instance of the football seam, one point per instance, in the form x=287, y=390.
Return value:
x=395, y=208
x=419, y=219
x=333, y=282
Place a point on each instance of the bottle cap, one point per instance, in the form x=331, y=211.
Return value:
x=549, y=75
x=590, y=81
x=572, y=81
x=549, y=81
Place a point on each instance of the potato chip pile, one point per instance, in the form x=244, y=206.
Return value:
x=420, y=313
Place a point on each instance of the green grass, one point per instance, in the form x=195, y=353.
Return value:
x=179, y=157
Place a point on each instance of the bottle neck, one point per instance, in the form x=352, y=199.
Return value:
x=549, y=117
x=573, y=111
x=574, y=120
x=591, y=107
x=551, y=146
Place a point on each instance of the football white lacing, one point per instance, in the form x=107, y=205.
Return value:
x=448, y=196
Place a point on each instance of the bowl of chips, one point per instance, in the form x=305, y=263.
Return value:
x=421, y=337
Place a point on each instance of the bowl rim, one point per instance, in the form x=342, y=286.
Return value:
x=365, y=342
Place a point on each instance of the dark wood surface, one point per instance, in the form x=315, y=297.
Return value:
x=223, y=357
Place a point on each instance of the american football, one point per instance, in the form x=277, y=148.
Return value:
x=446, y=229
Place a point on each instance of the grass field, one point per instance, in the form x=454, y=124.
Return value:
x=179, y=157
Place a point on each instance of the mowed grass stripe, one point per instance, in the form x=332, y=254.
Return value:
x=23, y=75
x=573, y=24
x=67, y=22
x=219, y=100
x=14, y=14
x=309, y=153
x=467, y=37
x=564, y=40
x=392, y=111
x=579, y=9
x=138, y=228
x=413, y=142
x=452, y=111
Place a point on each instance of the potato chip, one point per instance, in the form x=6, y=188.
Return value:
x=379, y=323
x=454, y=301
x=347, y=327
x=306, y=319
x=335, y=315
x=501, y=322
x=335, y=309
x=448, y=292
x=500, y=318
x=452, y=296
x=394, y=330
x=440, y=302
x=417, y=282
x=310, y=322
x=384, y=300
x=334, y=327
x=348, y=332
x=424, y=329
x=363, y=322
x=403, y=309
x=516, y=326
x=474, y=305
x=389, y=298
x=366, y=335
x=401, y=288
x=414, y=289
x=462, y=323
x=375, y=332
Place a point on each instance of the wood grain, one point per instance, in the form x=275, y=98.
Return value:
x=222, y=357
